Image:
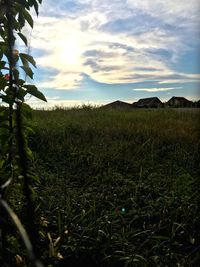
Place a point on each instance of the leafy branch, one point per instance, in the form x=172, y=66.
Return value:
x=15, y=154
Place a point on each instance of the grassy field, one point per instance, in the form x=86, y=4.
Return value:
x=118, y=188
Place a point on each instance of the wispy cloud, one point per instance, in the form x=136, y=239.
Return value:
x=153, y=90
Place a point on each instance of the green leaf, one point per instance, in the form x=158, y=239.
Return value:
x=26, y=112
x=28, y=71
x=2, y=64
x=27, y=58
x=28, y=17
x=3, y=83
x=4, y=126
x=2, y=10
x=21, y=94
x=36, y=7
x=24, y=39
x=20, y=82
x=4, y=47
x=21, y=20
x=29, y=154
x=24, y=62
x=32, y=90
x=5, y=98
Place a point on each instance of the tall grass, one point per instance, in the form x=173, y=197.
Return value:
x=119, y=188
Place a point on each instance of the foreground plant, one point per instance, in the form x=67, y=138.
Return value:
x=15, y=155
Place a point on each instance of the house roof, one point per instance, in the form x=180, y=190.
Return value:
x=118, y=104
x=178, y=98
x=149, y=100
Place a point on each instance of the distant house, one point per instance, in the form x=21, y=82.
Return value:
x=196, y=104
x=177, y=101
x=118, y=105
x=151, y=102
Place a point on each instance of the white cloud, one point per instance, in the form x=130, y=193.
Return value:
x=153, y=90
x=68, y=36
x=168, y=10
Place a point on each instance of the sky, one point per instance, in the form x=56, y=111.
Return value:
x=96, y=52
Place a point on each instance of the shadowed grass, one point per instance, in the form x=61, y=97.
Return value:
x=120, y=187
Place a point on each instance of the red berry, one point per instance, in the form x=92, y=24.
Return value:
x=7, y=77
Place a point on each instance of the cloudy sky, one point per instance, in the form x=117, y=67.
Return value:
x=98, y=51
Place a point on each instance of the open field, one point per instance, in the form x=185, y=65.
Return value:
x=120, y=188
